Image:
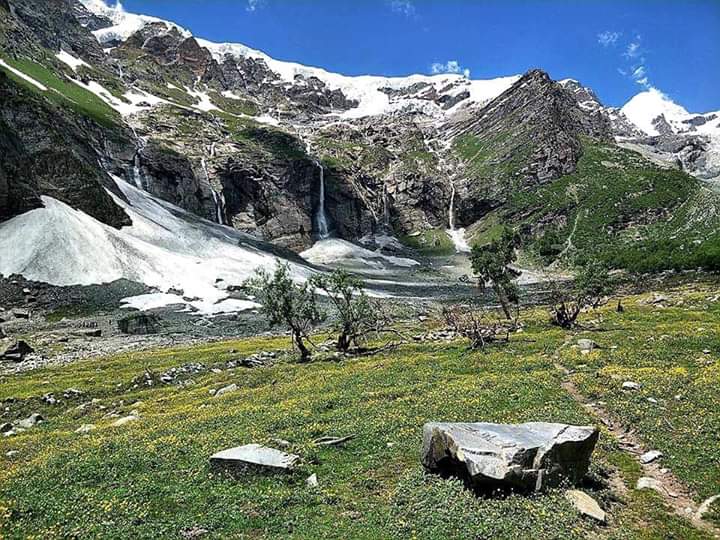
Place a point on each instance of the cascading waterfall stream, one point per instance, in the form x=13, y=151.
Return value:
x=218, y=197
x=322, y=223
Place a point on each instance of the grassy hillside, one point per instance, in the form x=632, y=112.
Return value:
x=62, y=91
x=151, y=478
x=619, y=207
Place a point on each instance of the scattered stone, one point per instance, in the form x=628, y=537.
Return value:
x=282, y=443
x=529, y=456
x=647, y=482
x=255, y=456
x=49, y=399
x=228, y=389
x=587, y=345
x=312, y=481
x=706, y=351
x=653, y=400
x=586, y=505
x=71, y=393
x=705, y=506
x=193, y=532
x=629, y=385
x=139, y=324
x=90, y=333
x=6, y=427
x=85, y=428
x=123, y=421
x=12, y=453
x=21, y=314
x=31, y=421
x=649, y=457
x=16, y=351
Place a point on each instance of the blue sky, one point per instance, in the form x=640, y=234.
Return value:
x=616, y=47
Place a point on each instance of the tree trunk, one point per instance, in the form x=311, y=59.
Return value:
x=503, y=302
x=304, y=352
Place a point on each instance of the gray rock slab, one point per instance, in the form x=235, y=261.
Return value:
x=255, y=456
x=525, y=457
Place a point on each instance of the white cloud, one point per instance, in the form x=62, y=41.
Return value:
x=405, y=7
x=254, y=5
x=608, y=38
x=451, y=66
x=633, y=49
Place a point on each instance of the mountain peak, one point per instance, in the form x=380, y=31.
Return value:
x=646, y=109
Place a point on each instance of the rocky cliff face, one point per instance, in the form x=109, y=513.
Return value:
x=50, y=151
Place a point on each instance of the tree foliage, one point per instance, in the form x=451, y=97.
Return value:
x=591, y=284
x=357, y=315
x=286, y=302
x=491, y=264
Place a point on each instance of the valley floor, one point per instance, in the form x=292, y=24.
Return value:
x=150, y=478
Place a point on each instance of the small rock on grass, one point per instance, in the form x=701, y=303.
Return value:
x=85, y=428
x=226, y=390
x=649, y=457
x=630, y=385
x=31, y=421
x=647, y=482
x=123, y=421
x=586, y=505
x=312, y=481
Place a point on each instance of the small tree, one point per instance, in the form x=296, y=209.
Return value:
x=285, y=302
x=491, y=264
x=357, y=316
x=476, y=326
x=591, y=284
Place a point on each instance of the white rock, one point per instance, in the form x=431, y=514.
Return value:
x=647, y=482
x=123, y=421
x=705, y=506
x=649, y=457
x=312, y=481
x=586, y=505
x=629, y=385
x=226, y=390
x=85, y=428
x=255, y=455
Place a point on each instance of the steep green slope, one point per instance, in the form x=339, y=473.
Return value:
x=619, y=207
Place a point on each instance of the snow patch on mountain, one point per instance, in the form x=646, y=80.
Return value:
x=124, y=24
x=371, y=92
x=164, y=248
x=72, y=61
x=645, y=108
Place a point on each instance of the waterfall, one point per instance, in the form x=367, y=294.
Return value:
x=456, y=235
x=386, y=208
x=137, y=173
x=322, y=223
x=218, y=197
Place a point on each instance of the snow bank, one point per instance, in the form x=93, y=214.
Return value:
x=72, y=61
x=334, y=251
x=164, y=248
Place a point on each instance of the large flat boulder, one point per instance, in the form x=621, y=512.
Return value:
x=15, y=351
x=255, y=456
x=523, y=457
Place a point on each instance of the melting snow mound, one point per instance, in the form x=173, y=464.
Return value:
x=164, y=248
